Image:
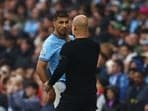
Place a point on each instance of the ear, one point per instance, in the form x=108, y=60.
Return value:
x=54, y=23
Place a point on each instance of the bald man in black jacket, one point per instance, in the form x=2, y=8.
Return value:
x=79, y=62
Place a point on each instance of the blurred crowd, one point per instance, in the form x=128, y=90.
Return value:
x=121, y=82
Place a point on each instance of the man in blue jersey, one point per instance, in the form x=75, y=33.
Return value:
x=49, y=55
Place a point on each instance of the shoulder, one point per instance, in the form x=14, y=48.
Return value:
x=50, y=41
x=50, y=38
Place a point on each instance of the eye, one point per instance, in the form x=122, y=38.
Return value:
x=66, y=22
x=61, y=22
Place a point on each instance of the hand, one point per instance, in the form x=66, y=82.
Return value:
x=47, y=87
x=48, y=97
x=100, y=62
x=49, y=90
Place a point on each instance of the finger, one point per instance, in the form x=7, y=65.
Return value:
x=47, y=89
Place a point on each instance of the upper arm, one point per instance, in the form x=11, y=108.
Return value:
x=42, y=71
x=48, y=49
x=41, y=67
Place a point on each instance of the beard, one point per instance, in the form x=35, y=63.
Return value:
x=63, y=32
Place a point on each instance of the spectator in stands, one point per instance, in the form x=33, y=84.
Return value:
x=119, y=79
x=137, y=93
x=27, y=99
x=130, y=26
x=112, y=100
x=101, y=85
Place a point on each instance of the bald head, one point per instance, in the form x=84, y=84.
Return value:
x=80, y=25
x=80, y=21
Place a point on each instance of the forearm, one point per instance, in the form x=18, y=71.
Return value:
x=42, y=75
x=41, y=71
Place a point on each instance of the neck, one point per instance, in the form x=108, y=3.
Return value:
x=82, y=35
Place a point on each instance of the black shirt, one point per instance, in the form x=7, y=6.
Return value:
x=78, y=62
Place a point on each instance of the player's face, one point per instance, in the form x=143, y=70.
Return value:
x=61, y=26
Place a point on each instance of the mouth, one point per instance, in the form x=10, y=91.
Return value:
x=64, y=29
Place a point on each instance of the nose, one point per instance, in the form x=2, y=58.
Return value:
x=64, y=24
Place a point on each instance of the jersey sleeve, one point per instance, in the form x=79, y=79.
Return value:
x=47, y=51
